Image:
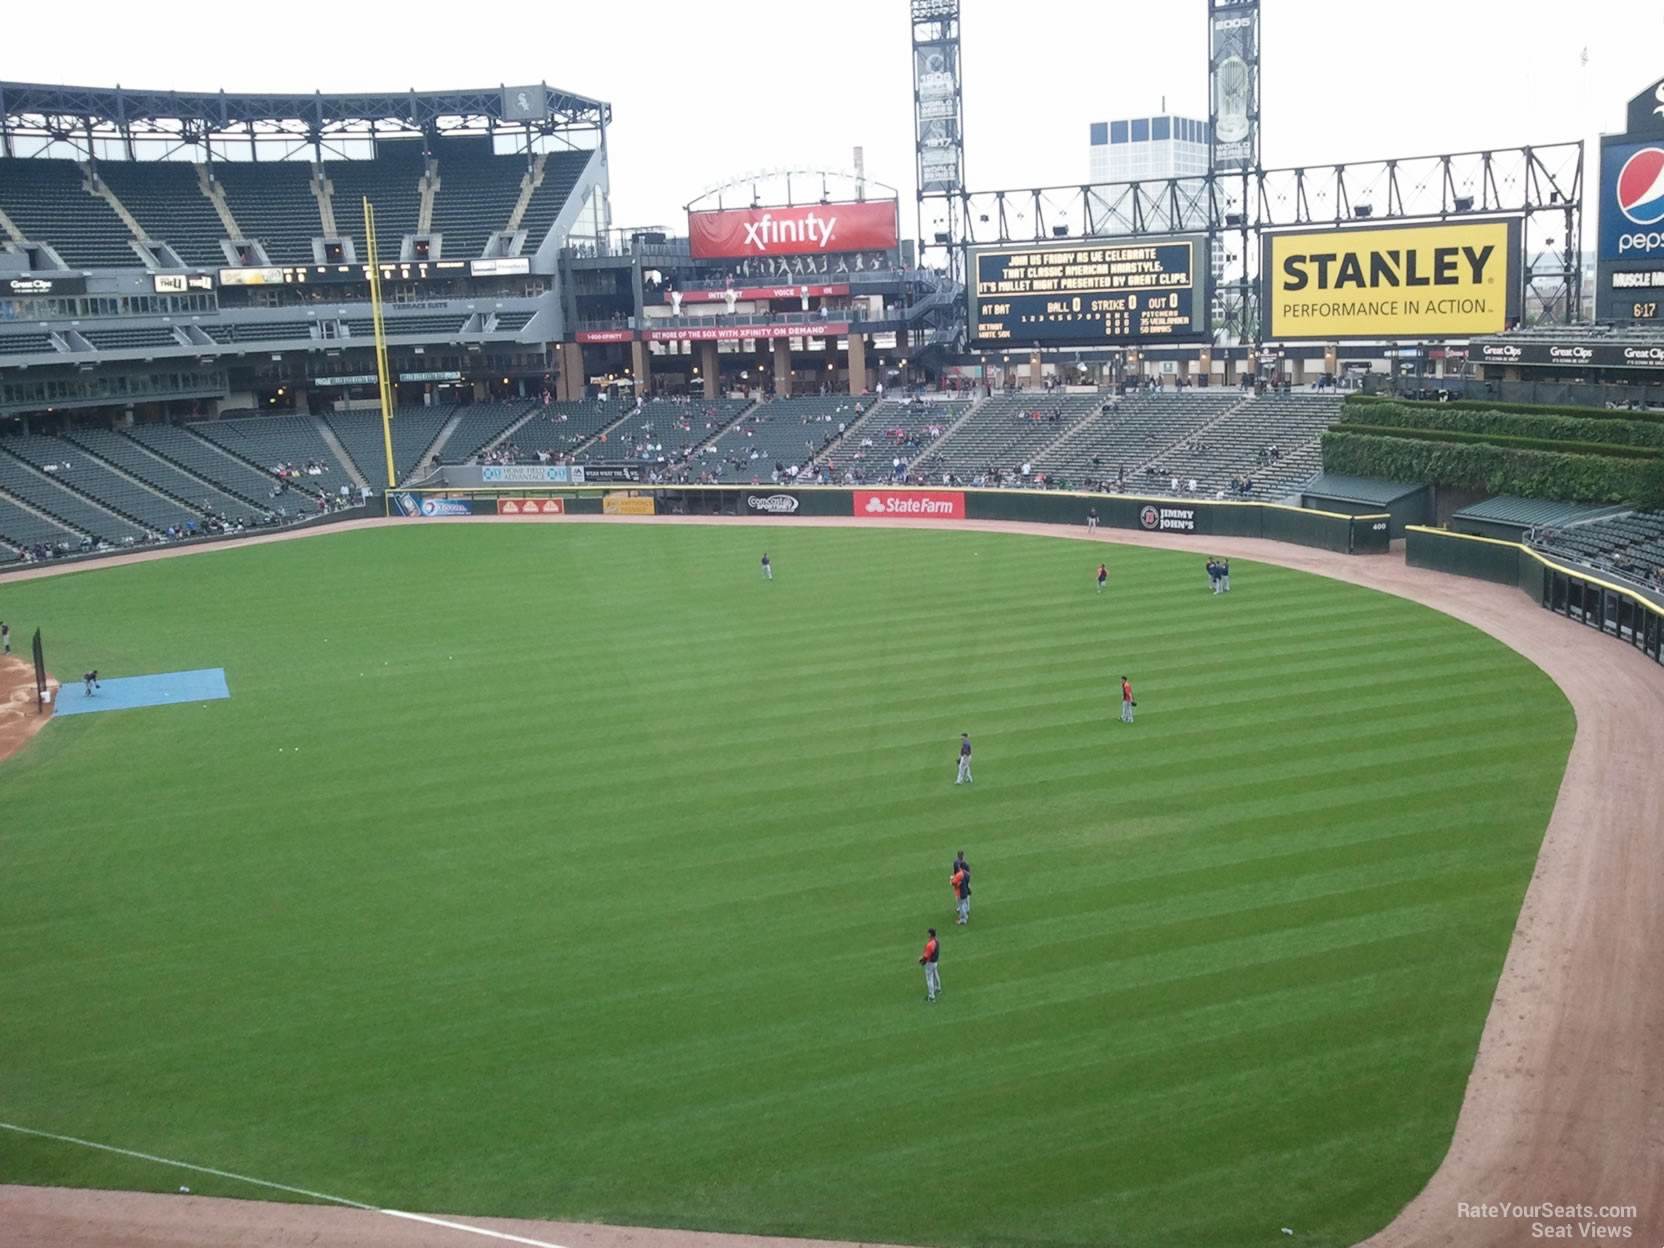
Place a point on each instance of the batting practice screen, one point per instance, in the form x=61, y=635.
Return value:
x=1088, y=292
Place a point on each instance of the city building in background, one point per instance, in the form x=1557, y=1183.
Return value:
x=1136, y=148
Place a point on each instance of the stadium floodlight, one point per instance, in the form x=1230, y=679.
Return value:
x=924, y=10
x=1234, y=219
x=1362, y=210
x=1462, y=203
x=1060, y=231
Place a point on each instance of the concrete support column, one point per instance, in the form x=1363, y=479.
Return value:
x=1205, y=365
x=1034, y=366
x=641, y=368
x=782, y=368
x=710, y=370
x=857, y=363
x=569, y=385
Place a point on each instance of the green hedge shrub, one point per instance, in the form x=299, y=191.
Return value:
x=1502, y=439
x=1541, y=426
x=1494, y=405
x=1529, y=473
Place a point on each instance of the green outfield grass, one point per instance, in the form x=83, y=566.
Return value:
x=575, y=872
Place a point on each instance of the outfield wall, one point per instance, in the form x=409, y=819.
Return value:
x=1360, y=534
x=1566, y=590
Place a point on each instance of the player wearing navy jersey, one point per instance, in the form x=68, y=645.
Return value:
x=1103, y=577
x=768, y=568
x=964, y=759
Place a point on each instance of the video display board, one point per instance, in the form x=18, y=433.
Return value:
x=1090, y=292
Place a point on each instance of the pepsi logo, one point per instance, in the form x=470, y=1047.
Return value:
x=1641, y=187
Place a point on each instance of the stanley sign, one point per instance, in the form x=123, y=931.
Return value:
x=1453, y=279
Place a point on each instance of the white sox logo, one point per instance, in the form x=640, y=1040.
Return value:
x=1150, y=518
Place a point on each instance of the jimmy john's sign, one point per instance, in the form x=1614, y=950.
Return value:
x=1452, y=279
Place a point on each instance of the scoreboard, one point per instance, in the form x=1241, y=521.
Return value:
x=1090, y=292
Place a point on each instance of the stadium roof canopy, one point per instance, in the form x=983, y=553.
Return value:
x=83, y=115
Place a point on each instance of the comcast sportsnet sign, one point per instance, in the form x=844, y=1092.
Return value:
x=910, y=504
x=806, y=230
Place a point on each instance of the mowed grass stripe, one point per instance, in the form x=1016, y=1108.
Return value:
x=595, y=886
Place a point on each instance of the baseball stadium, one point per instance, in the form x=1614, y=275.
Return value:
x=501, y=710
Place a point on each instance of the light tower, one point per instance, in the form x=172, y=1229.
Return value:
x=1234, y=136
x=939, y=134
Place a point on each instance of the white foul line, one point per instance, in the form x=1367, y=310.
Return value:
x=279, y=1187
x=472, y=1230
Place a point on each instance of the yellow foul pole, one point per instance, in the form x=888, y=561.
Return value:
x=382, y=376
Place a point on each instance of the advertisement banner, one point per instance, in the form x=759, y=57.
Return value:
x=1632, y=202
x=804, y=230
x=1567, y=355
x=1449, y=280
x=531, y=506
x=418, y=507
x=44, y=284
x=1167, y=519
x=627, y=505
x=775, y=504
x=530, y=474
x=761, y=292
x=607, y=472
x=731, y=333
x=911, y=504
x=1233, y=80
x=606, y=335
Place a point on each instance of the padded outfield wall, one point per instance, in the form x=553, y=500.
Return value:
x=1566, y=589
x=1360, y=534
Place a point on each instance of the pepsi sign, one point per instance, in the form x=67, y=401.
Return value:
x=1632, y=201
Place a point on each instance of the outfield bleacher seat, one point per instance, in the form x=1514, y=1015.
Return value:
x=1239, y=446
x=1130, y=431
x=166, y=199
x=175, y=482
x=784, y=431
x=233, y=475
x=560, y=174
x=1631, y=545
x=476, y=196
x=25, y=344
x=273, y=204
x=272, y=331
x=663, y=432
x=1005, y=432
x=561, y=428
x=482, y=424
x=22, y=529
x=427, y=326
x=48, y=201
x=67, y=489
x=414, y=429
x=130, y=339
x=267, y=441
x=392, y=181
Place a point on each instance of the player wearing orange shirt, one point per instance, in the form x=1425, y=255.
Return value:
x=932, y=980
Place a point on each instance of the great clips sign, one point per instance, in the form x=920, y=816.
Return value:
x=806, y=230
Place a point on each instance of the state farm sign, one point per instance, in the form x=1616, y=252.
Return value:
x=911, y=504
x=808, y=229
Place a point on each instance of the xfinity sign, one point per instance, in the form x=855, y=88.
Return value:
x=794, y=230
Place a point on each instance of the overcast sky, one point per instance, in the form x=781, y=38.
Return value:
x=705, y=92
